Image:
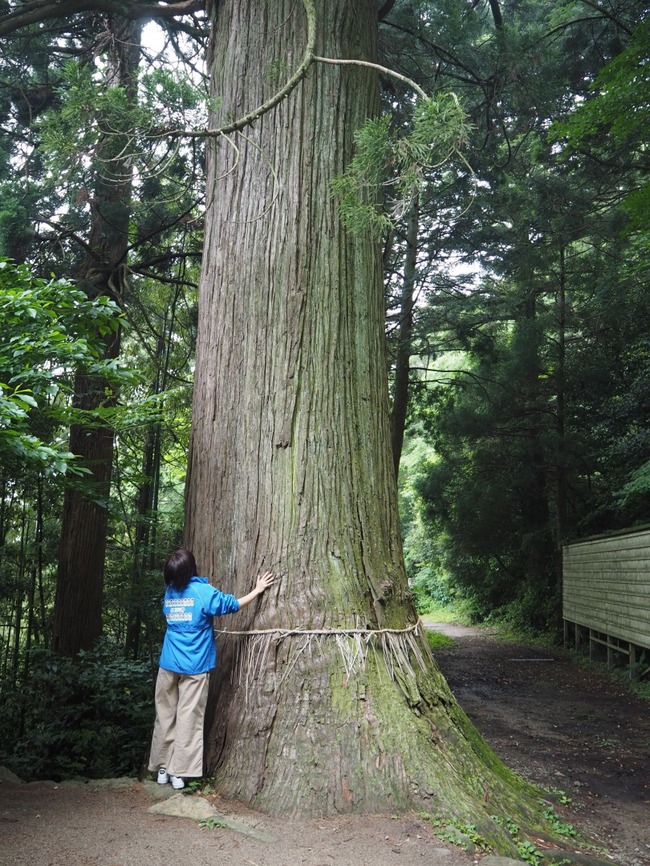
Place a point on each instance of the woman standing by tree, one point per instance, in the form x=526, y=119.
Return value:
x=188, y=655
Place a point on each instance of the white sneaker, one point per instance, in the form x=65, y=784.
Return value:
x=163, y=776
x=177, y=782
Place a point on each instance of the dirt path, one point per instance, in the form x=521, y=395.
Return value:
x=561, y=725
x=558, y=724
x=44, y=824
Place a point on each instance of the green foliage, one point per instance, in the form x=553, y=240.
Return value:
x=492, y=495
x=612, y=122
x=619, y=99
x=561, y=796
x=529, y=852
x=450, y=829
x=89, y=112
x=88, y=717
x=423, y=547
x=205, y=787
x=560, y=827
x=50, y=329
x=449, y=613
x=390, y=167
x=72, y=143
x=171, y=93
x=638, y=686
x=357, y=189
x=14, y=219
x=532, y=614
x=70, y=133
x=437, y=640
x=493, y=536
x=212, y=823
x=639, y=484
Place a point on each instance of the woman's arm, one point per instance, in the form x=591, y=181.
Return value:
x=263, y=583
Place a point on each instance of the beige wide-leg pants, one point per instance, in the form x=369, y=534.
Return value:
x=177, y=742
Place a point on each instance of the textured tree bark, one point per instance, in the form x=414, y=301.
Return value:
x=290, y=465
x=80, y=574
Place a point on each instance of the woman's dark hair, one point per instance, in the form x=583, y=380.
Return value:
x=179, y=568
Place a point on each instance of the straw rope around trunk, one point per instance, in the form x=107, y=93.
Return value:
x=398, y=645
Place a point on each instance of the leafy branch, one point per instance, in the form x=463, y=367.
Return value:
x=386, y=161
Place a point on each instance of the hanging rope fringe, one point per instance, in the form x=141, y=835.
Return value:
x=399, y=647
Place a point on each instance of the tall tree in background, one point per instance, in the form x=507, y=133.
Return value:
x=77, y=95
x=80, y=576
x=404, y=335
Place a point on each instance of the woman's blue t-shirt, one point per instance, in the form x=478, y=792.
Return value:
x=189, y=646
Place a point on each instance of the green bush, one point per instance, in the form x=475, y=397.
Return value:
x=90, y=717
x=532, y=614
x=432, y=590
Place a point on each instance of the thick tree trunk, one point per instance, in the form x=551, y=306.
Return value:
x=290, y=465
x=80, y=573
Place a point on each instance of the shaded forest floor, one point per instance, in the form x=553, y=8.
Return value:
x=43, y=824
x=557, y=723
x=561, y=725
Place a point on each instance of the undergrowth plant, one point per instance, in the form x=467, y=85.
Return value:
x=200, y=786
x=437, y=640
x=212, y=823
x=560, y=827
x=450, y=829
x=529, y=853
x=90, y=717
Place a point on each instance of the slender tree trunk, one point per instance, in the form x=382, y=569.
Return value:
x=144, y=558
x=561, y=406
x=534, y=506
x=405, y=337
x=141, y=547
x=80, y=574
x=20, y=594
x=290, y=465
x=40, y=629
x=559, y=506
x=144, y=537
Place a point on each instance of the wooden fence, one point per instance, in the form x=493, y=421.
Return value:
x=606, y=597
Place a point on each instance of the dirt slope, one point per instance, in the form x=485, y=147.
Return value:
x=561, y=725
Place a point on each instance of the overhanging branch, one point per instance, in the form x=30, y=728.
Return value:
x=247, y=119
x=308, y=58
x=383, y=69
x=43, y=10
